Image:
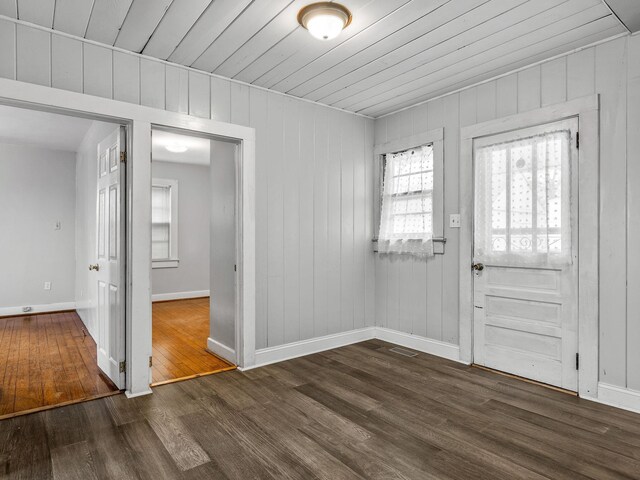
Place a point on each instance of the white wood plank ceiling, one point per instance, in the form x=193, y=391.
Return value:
x=394, y=54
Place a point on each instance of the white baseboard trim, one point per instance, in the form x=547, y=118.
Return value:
x=618, y=397
x=49, y=307
x=267, y=356
x=422, y=344
x=221, y=350
x=157, y=297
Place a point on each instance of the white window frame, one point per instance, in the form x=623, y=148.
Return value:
x=173, y=260
x=435, y=138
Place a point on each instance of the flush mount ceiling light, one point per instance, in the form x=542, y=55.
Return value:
x=176, y=147
x=324, y=20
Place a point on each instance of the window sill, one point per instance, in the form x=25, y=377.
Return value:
x=165, y=263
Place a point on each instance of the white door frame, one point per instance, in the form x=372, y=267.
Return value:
x=586, y=109
x=138, y=289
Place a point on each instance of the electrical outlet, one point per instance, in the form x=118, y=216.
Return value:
x=454, y=220
x=47, y=285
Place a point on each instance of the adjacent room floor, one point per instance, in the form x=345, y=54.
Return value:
x=180, y=332
x=47, y=359
x=356, y=412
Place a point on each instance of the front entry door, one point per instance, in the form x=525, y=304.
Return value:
x=525, y=253
x=110, y=259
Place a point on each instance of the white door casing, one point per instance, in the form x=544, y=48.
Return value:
x=525, y=315
x=110, y=256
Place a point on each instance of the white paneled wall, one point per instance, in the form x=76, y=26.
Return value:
x=315, y=272
x=610, y=69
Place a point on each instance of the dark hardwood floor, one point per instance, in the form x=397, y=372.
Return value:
x=47, y=359
x=355, y=412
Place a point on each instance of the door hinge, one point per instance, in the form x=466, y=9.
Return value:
x=577, y=139
x=123, y=157
x=150, y=361
x=577, y=361
x=235, y=268
x=123, y=366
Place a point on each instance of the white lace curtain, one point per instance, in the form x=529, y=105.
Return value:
x=522, y=201
x=406, y=221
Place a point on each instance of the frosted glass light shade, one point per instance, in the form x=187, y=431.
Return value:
x=324, y=20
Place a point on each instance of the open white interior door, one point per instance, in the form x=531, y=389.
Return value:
x=525, y=253
x=110, y=256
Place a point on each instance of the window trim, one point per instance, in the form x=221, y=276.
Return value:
x=435, y=138
x=173, y=260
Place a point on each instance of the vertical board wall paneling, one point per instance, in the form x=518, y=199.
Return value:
x=633, y=207
x=177, y=89
x=320, y=232
x=152, y=83
x=359, y=223
x=450, y=303
x=305, y=212
x=274, y=155
x=312, y=160
x=199, y=95
x=221, y=99
x=98, y=70
x=259, y=120
x=333, y=223
x=370, y=287
x=33, y=58
x=611, y=84
x=126, y=77
x=507, y=95
x=346, y=223
x=435, y=119
x=66, y=63
x=291, y=215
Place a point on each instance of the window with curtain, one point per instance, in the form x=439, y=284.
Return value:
x=522, y=201
x=406, y=221
x=164, y=197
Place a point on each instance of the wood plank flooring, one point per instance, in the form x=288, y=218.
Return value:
x=180, y=332
x=357, y=412
x=47, y=359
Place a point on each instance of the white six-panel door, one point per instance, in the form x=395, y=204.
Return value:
x=109, y=256
x=525, y=314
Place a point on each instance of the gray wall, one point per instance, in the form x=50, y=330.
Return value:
x=37, y=189
x=223, y=242
x=313, y=188
x=86, y=186
x=192, y=273
x=612, y=70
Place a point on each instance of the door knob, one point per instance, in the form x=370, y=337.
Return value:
x=95, y=267
x=478, y=267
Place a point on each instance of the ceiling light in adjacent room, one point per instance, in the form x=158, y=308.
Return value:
x=324, y=20
x=176, y=147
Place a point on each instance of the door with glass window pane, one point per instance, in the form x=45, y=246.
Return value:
x=525, y=253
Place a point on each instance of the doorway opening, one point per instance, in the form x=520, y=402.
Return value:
x=193, y=249
x=62, y=211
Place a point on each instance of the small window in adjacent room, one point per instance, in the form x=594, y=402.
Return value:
x=406, y=220
x=164, y=223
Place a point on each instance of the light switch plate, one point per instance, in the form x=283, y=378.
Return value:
x=454, y=220
x=47, y=285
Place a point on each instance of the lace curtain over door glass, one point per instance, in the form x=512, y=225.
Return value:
x=406, y=221
x=522, y=201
